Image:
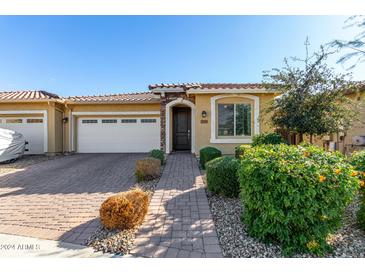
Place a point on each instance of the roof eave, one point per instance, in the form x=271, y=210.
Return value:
x=31, y=101
x=167, y=90
x=229, y=90
x=72, y=102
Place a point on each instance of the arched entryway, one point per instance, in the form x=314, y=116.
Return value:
x=180, y=125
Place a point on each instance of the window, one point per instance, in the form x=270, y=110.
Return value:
x=34, y=121
x=89, y=121
x=148, y=120
x=14, y=121
x=129, y=121
x=234, y=120
x=109, y=121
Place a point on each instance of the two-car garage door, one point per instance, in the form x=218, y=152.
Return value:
x=113, y=135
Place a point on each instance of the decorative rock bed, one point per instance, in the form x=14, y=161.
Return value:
x=119, y=241
x=348, y=241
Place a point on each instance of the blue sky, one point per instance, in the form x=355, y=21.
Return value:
x=115, y=54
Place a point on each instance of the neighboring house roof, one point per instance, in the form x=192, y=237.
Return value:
x=25, y=95
x=122, y=97
x=189, y=86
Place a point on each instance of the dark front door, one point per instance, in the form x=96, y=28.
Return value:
x=181, y=128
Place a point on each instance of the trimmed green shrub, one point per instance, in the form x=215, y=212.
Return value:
x=295, y=196
x=208, y=153
x=267, y=139
x=222, y=176
x=358, y=161
x=158, y=154
x=239, y=151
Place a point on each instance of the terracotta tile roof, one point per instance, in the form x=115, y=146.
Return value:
x=122, y=97
x=27, y=95
x=187, y=86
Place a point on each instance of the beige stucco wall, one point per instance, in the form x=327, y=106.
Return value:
x=114, y=107
x=359, y=127
x=203, y=130
x=54, y=139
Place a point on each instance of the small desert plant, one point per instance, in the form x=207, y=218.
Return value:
x=208, y=153
x=147, y=169
x=267, y=139
x=158, y=154
x=222, y=176
x=124, y=210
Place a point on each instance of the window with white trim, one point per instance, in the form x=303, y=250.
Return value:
x=109, y=121
x=34, y=121
x=89, y=121
x=14, y=121
x=148, y=120
x=234, y=120
x=129, y=121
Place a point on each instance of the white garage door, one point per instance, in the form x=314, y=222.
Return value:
x=32, y=129
x=97, y=135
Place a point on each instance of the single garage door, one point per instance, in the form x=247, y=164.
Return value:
x=32, y=129
x=98, y=135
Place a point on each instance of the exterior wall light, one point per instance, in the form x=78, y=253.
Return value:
x=204, y=114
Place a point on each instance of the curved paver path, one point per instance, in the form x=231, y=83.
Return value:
x=179, y=222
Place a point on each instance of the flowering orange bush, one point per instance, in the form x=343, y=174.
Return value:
x=294, y=199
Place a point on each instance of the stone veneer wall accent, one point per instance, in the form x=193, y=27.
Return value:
x=164, y=101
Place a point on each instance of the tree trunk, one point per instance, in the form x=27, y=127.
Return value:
x=311, y=139
x=300, y=137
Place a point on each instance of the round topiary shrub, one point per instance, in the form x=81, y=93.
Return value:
x=267, y=139
x=124, y=210
x=358, y=162
x=208, y=153
x=158, y=154
x=222, y=176
x=295, y=196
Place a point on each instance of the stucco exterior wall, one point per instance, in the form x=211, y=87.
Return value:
x=115, y=107
x=359, y=127
x=203, y=129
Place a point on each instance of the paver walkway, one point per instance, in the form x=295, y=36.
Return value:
x=179, y=222
x=60, y=199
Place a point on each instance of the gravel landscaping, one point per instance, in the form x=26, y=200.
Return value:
x=348, y=241
x=119, y=241
x=23, y=162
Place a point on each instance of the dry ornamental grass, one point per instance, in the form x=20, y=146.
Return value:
x=148, y=169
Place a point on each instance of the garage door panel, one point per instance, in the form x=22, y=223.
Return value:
x=32, y=128
x=131, y=135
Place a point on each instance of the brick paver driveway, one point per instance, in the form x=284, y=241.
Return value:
x=59, y=199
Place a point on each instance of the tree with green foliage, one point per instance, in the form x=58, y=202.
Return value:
x=312, y=99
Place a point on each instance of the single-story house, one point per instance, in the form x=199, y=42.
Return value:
x=171, y=117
